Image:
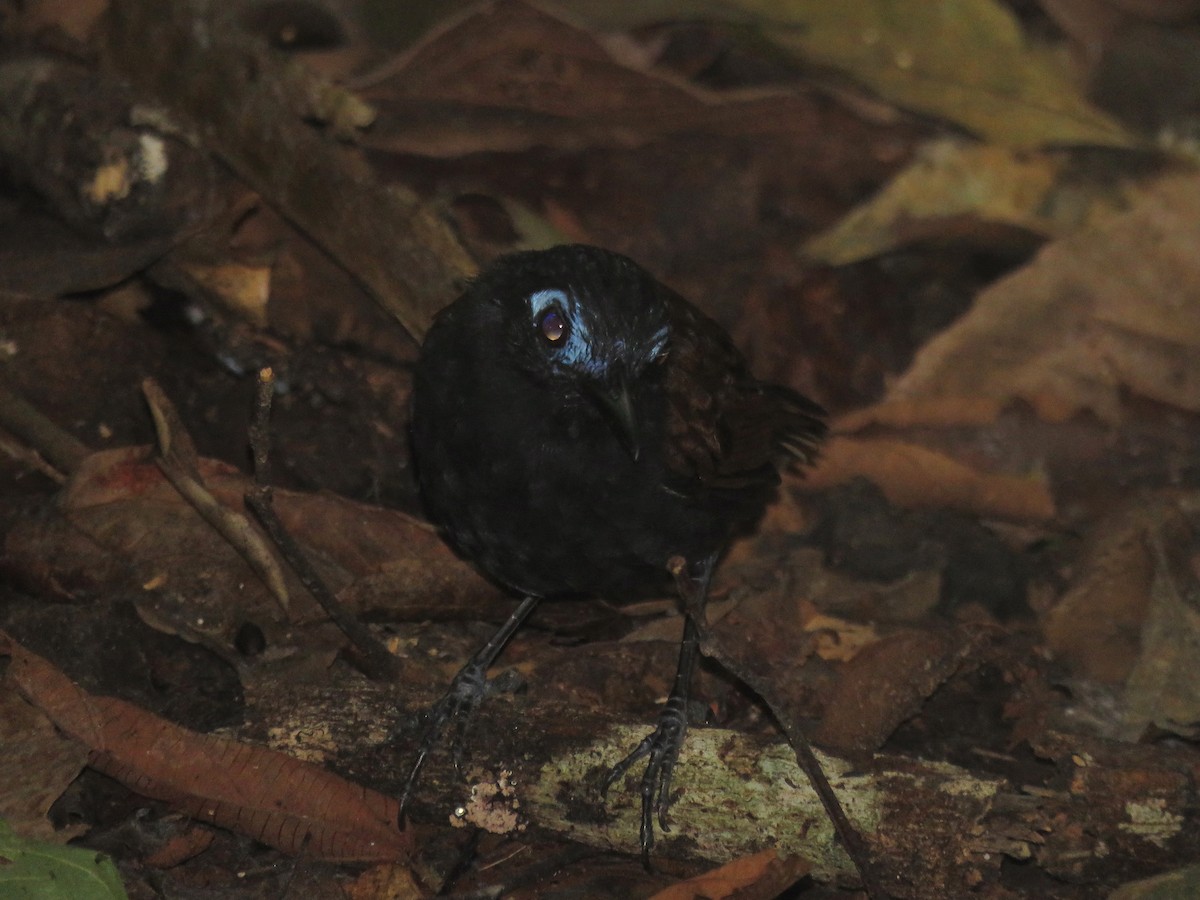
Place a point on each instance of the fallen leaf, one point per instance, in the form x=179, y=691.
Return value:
x=35, y=869
x=392, y=882
x=1164, y=687
x=512, y=76
x=951, y=180
x=966, y=62
x=763, y=875
x=241, y=288
x=286, y=803
x=36, y=766
x=123, y=526
x=885, y=685
x=1176, y=885
x=1103, y=312
x=913, y=476
x=1095, y=627
x=933, y=411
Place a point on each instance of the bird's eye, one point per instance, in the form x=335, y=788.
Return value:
x=552, y=326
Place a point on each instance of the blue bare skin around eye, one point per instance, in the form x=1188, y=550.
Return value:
x=577, y=353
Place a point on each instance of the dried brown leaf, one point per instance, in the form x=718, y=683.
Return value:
x=884, y=685
x=1095, y=627
x=121, y=526
x=1164, y=687
x=36, y=766
x=291, y=805
x=252, y=110
x=931, y=411
x=1100, y=313
x=914, y=476
x=762, y=875
x=511, y=76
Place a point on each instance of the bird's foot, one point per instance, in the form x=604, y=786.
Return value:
x=460, y=706
x=662, y=746
x=462, y=699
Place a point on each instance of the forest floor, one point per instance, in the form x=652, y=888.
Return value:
x=968, y=229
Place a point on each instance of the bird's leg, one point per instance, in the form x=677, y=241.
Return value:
x=461, y=701
x=662, y=745
x=692, y=584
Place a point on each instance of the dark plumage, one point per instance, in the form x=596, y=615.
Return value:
x=576, y=425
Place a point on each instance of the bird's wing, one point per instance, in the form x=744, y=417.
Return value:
x=724, y=427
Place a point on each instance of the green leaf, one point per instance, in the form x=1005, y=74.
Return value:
x=950, y=179
x=33, y=870
x=965, y=61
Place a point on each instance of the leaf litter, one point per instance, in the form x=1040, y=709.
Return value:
x=1041, y=444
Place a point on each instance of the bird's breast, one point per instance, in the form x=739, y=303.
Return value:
x=540, y=493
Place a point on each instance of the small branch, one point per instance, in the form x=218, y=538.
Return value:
x=810, y=765
x=855, y=847
x=61, y=449
x=179, y=463
x=372, y=656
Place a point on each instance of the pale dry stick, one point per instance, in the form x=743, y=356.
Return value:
x=178, y=461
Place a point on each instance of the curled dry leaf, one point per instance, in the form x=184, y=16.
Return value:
x=288, y=804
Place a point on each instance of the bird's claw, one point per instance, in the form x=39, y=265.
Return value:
x=662, y=746
x=460, y=705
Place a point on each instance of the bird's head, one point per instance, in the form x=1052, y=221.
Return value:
x=586, y=322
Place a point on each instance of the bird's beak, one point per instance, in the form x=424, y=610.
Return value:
x=614, y=401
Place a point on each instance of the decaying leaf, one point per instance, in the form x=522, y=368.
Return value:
x=1095, y=627
x=37, y=765
x=123, y=526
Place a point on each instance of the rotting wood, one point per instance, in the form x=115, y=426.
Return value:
x=935, y=830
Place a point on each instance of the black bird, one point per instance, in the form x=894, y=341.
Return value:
x=579, y=428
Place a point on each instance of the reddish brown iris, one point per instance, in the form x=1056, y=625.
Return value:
x=553, y=326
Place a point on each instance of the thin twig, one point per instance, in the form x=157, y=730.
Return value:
x=371, y=655
x=62, y=450
x=179, y=462
x=852, y=841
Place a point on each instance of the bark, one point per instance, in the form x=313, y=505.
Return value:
x=105, y=164
x=1109, y=811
